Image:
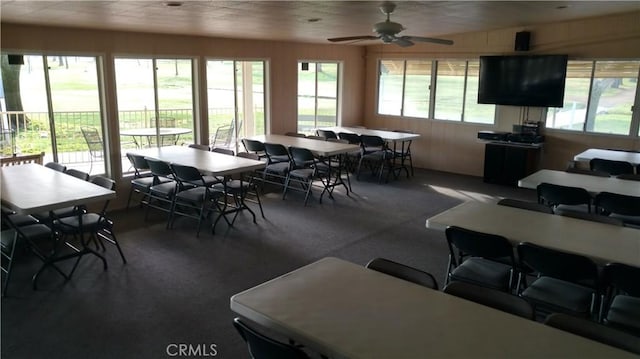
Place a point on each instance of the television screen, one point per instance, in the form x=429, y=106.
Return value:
x=536, y=80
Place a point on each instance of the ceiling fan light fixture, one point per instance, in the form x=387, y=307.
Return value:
x=388, y=31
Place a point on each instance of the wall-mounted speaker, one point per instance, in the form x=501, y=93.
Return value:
x=305, y=66
x=15, y=59
x=522, y=40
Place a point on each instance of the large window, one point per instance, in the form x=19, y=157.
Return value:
x=48, y=103
x=599, y=96
x=406, y=88
x=317, y=95
x=236, y=98
x=457, y=93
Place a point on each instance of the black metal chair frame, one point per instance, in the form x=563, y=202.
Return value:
x=377, y=156
x=96, y=225
x=554, y=195
x=611, y=167
x=619, y=280
x=160, y=195
x=465, y=245
x=196, y=199
x=261, y=346
x=573, y=269
x=304, y=170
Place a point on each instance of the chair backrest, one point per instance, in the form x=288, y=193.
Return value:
x=223, y=136
x=187, y=175
x=93, y=140
x=249, y=155
x=372, y=141
x=295, y=134
x=275, y=150
x=622, y=277
x=353, y=138
x=585, y=171
x=77, y=174
x=104, y=182
x=612, y=167
x=164, y=121
x=263, y=347
x=594, y=217
x=561, y=265
x=553, y=195
x=224, y=151
x=312, y=137
x=199, y=146
x=139, y=164
x=403, y=271
x=531, y=206
x=618, y=203
x=492, y=298
x=478, y=244
x=56, y=166
x=159, y=168
x=594, y=331
x=252, y=145
x=301, y=157
x=629, y=176
x=107, y=183
x=326, y=134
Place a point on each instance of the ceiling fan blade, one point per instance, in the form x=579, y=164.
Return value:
x=428, y=39
x=402, y=41
x=352, y=38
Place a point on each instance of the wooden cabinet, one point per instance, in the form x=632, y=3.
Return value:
x=506, y=163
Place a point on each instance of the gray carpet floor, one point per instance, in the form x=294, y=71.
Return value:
x=176, y=287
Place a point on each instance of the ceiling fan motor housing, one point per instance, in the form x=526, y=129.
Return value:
x=387, y=28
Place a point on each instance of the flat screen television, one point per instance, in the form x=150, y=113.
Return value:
x=534, y=80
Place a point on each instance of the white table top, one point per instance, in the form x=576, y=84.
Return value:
x=33, y=188
x=601, y=242
x=631, y=157
x=344, y=310
x=318, y=147
x=212, y=162
x=386, y=135
x=593, y=184
x=152, y=131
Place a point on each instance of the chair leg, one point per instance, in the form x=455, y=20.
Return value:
x=113, y=241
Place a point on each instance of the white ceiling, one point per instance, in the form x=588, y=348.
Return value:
x=289, y=20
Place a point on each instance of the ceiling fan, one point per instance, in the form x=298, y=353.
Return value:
x=388, y=31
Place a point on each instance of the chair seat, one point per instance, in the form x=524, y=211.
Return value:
x=562, y=208
x=279, y=168
x=210, y=180
x=196, y=194
x=90, y=221
x=20, y=220
x=483, y=272
x=165, y=189
x=561, y=296
x=142, y=183
x=305, y=173
x=624, y=312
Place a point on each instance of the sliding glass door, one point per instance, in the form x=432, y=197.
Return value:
x=317, y=95
x=236, y=98
x=49, y=104
x=155, y=102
